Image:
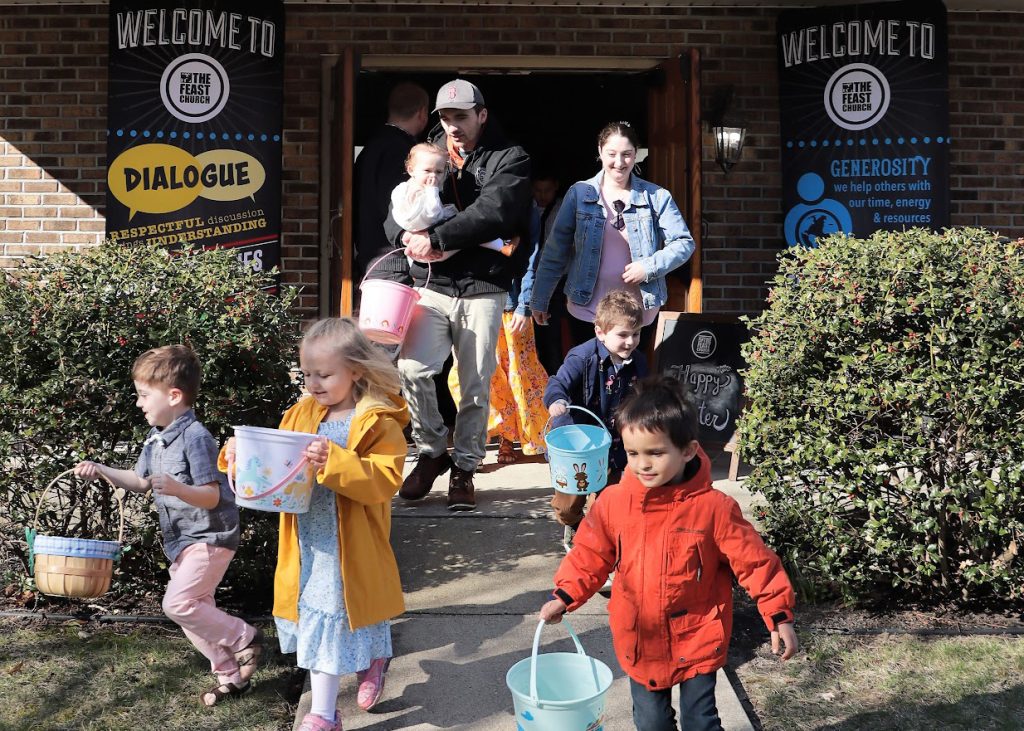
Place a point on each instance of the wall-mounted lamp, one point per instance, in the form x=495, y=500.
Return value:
x=728, y=127
x=728, y=145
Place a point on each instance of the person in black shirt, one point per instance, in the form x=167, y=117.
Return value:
x=547, y=201
x=379, y=168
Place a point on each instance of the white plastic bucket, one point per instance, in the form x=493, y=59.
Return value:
x=559, y=691
x=578, y=456
x=271, y=472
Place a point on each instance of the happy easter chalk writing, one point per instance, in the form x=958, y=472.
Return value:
x=704, y=353
x=716, y=389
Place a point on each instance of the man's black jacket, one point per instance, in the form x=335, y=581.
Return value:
x=492, y=193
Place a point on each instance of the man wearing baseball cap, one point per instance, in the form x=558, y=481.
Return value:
x=487, y=179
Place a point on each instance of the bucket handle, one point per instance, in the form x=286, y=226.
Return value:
x=395, y=251
x=547, y=424
x=30, y=534
x=536, y=646
x=284, y=481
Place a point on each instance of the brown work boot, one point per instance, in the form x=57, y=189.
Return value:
x=460, y=490
x=421, y=479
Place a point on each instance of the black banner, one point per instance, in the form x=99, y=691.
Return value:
x=864, y=107
x=194, y=125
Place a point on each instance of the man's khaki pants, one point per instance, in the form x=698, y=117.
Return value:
x=469, y=325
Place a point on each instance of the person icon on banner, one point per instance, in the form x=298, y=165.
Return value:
x=817, y=217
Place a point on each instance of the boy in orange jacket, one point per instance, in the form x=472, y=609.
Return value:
x=672, y=539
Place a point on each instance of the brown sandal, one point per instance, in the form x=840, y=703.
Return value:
x=250, y=656
x=222, y=691
x=506, y=452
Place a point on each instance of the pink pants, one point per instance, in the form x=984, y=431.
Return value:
x=189, y=603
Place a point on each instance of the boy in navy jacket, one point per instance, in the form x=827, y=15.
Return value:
x=596, y=375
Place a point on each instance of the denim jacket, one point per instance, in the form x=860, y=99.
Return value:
x=657, y=234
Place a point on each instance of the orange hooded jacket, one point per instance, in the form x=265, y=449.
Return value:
x=672, y=548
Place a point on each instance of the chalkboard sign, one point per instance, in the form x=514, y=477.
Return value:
x=703, y=351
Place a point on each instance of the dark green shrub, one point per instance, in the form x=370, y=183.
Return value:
x=72, y=325
x=885, y=416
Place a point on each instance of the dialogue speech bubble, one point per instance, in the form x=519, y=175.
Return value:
x=158, y=178
x=230, y=175
x=153, y=179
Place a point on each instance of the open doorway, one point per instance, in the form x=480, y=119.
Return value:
x=554, y=116
x=555, y=113
x=553, y=107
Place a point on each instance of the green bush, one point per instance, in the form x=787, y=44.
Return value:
x=884, y=421
x=72, y=325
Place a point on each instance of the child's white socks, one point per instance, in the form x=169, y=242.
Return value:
x=325, y=693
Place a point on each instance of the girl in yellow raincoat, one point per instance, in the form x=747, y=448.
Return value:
x=337, y=583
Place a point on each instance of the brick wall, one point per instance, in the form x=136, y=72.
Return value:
x=986, y=120
x=53, y=86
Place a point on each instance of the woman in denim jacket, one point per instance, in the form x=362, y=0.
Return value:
x=614, y=231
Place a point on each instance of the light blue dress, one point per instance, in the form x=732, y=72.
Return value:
x=322, y=637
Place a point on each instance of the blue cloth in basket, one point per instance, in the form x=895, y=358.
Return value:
x=76, y=547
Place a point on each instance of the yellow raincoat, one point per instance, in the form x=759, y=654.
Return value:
x=364, y=476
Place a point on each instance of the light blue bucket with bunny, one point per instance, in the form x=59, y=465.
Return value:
x=559, y=691
x=578, y=456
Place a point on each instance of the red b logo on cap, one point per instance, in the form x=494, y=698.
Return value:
x=452, y=93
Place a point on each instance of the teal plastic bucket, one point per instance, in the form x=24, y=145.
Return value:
x=578, y=456
x=559, y=691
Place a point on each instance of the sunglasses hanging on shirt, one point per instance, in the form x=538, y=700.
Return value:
x=618, y=223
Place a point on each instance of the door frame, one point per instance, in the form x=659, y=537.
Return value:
x=337, y=72
x=675, y=162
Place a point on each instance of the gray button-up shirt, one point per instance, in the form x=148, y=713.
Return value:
x=186, y=451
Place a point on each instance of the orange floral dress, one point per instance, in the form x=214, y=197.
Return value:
x=517, y=389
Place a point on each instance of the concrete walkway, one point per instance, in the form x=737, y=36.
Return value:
x=474, y=583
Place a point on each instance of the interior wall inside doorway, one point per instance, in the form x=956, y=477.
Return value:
x=555, y=116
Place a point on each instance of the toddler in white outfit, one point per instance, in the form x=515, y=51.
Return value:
x=416, y=203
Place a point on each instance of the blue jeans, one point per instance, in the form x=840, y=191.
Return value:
x=652, y=709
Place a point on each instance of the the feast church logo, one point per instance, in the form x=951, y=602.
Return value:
x=194, y=88
x=857, y=96
x=704, y=344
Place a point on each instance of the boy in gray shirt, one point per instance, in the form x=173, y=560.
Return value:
x=198, y=515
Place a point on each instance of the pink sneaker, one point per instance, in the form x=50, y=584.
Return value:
x=313, y=722
x=371, y=683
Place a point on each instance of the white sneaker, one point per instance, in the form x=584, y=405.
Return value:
x=567, y=535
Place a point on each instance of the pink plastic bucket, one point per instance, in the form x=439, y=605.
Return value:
x=387, y=307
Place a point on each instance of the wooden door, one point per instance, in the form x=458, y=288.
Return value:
x=674, y=161
x=337, y=152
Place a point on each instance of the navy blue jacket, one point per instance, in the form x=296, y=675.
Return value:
x=587, y=379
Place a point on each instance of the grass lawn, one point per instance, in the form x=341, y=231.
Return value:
x=904, y=683
x=127, y=677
